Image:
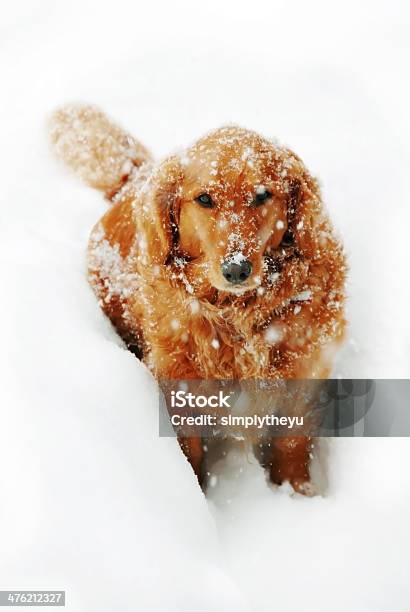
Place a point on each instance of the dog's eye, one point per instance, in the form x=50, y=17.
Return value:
x=287, y=239
x=262, y=194
x=205, y=200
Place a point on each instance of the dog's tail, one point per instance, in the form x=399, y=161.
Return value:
x=98, y=151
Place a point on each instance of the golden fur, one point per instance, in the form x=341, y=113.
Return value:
x=155, y=256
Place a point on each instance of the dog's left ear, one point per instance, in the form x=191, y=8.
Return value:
x=157, y=221
x=304, y=208
x=293, y=201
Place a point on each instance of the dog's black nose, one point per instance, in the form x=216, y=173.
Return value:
x=236, y=270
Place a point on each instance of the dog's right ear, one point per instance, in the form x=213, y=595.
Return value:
x=157, y=219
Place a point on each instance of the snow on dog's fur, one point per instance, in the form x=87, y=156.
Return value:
x=219, y=262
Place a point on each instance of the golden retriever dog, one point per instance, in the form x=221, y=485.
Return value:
x=218, y=262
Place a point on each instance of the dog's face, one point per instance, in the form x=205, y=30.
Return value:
x=237, y=205
x=235, y=208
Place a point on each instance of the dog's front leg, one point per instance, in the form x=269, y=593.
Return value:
x=194, y=452
x=289, y=460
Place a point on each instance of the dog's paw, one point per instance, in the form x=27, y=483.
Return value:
x=307, y=488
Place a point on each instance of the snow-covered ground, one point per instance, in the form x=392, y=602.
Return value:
x=91, y=500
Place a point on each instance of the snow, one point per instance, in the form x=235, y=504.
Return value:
x=303, y=296
x=260, y=189
x=194, y=306
x=91, y=499
x=238, y=257
x=273, y=334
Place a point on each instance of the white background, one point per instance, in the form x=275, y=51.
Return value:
x=91, y=500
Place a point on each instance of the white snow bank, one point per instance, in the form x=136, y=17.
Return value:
x=92, y=500
x=345, y=551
